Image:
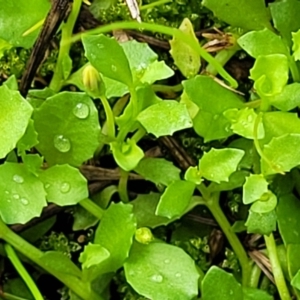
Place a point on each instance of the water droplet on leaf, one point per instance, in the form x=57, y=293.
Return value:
x=47, y=185
x=16, y=196
x=114, y=68
x=166, y=261
x=24, y=201
x=65, y=187
x=100, y=46
x=17, y=178
x=6, y=192
x=157, y=278
x=250, y=118
x=61, y=143
x=81, y=111
x=178, y=275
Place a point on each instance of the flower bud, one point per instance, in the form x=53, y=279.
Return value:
x=93, y=82
x=144, y=235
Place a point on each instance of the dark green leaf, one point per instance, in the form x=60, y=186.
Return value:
x=261, y=223
x=255, y=294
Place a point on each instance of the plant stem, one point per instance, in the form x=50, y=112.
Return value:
x=212, y=203
x=139, y=134
x=11, y=254
x=64, y=48
x=110, y=119
x=255, y=274
x=122, y=188
x=164, y=30
x=82, y=289
x=153, y=4
x=167, y=88
x=92, y=208
x=276, y=268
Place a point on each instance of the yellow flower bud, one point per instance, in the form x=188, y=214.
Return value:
x=144, y=235
x=92, y=81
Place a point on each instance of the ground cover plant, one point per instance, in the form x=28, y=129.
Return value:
x=156, y=154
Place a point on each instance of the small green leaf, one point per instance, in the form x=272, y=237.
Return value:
x=158, y=170
x=22, y=194
x=262, y=42
x=115, y=234
x=210, y=122
x=288, y=211
x=175, y=199
x=241, y=13
x=127, y=154
x=283, y=154
x=265, y=204
x=228, y=288
x=295, y=282
x=29, y=139
x=193, y=174
x=17, y=19
x=165, y=117
x=254, y=187
x=33, y=163
x=296, y=44
x=285, y=25
x=270, y=73
x=64, y=185
x=256, y=294
x=261, y=223
x=158, y=70
x=108, y=57
x=160, y=271
x=14, y=111
x=68, y=128
x=243, y=122
x=186, y=59
x=92, y=255
x=218, y=164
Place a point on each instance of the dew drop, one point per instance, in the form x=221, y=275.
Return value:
x=24, y=201
x=6, y=192
x=178, y=275
x=100, y=46
x=157, y=278
x=114, y=68
x=17, y=178
x=250, y=118
x=166, y=261
x=81, y=111
x=8, y=200
x=61, y=143
x=47, y=185
x=16, y=196
x=216, y=117
x=65, y=187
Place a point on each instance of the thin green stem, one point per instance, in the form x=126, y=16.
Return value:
x=82, y=289
x=64, y=48
x=276, y=268
x=213, y=205
x=154, y=4
x=164, y=30
x=13, y=257
x=167, y=88
x=110, y=119
x=92, y=207
x=7, y=296
x=139, y=134
x=255, y=274
x=122, y=187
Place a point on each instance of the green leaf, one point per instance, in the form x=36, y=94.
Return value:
x=265, y=204
x=33, y=163
x=160, y=271
x=262, y=42
x=115, y=234
x=288, y=211
x=60, y=263
x=29, y=139
x=108, y=57
x=64, y=185
x=165, y=117
x=4, y=45
x=243, y=122
x=296, y=44
x=158, y=70
x=11, y=82
x=270, y=73
x=97, y=5
x=210, y=122
x=292, y=255
x=127, y=154
x=186, y=58
x=254, y=187
x=218, y=164
x=289, y=98
x=228, y=288
x=295, y=282
x=14, y=110
x=241, y=13
x=92, y=255
x=22, y=194
x=158, y=170
x=261, y=223
x=285, y=17
x=255, y=294
x=175, y=199
x=193, y=174
x=68, y=128
x=17, y=19
x=283, y=154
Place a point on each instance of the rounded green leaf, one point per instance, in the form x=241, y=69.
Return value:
x=261, y=223
x=22, y=194
x=175, y=199
x=193, y=174
x=254, y=187
x=218, y=164
x=266, y=204
x=68, y=128
x=108, y=57
x=64, y=185
x=17, y=17
x=160, y=271
x=165, y=117
x=127, y=154
x=15, y=114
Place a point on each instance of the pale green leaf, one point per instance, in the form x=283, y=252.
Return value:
x=254, y=187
